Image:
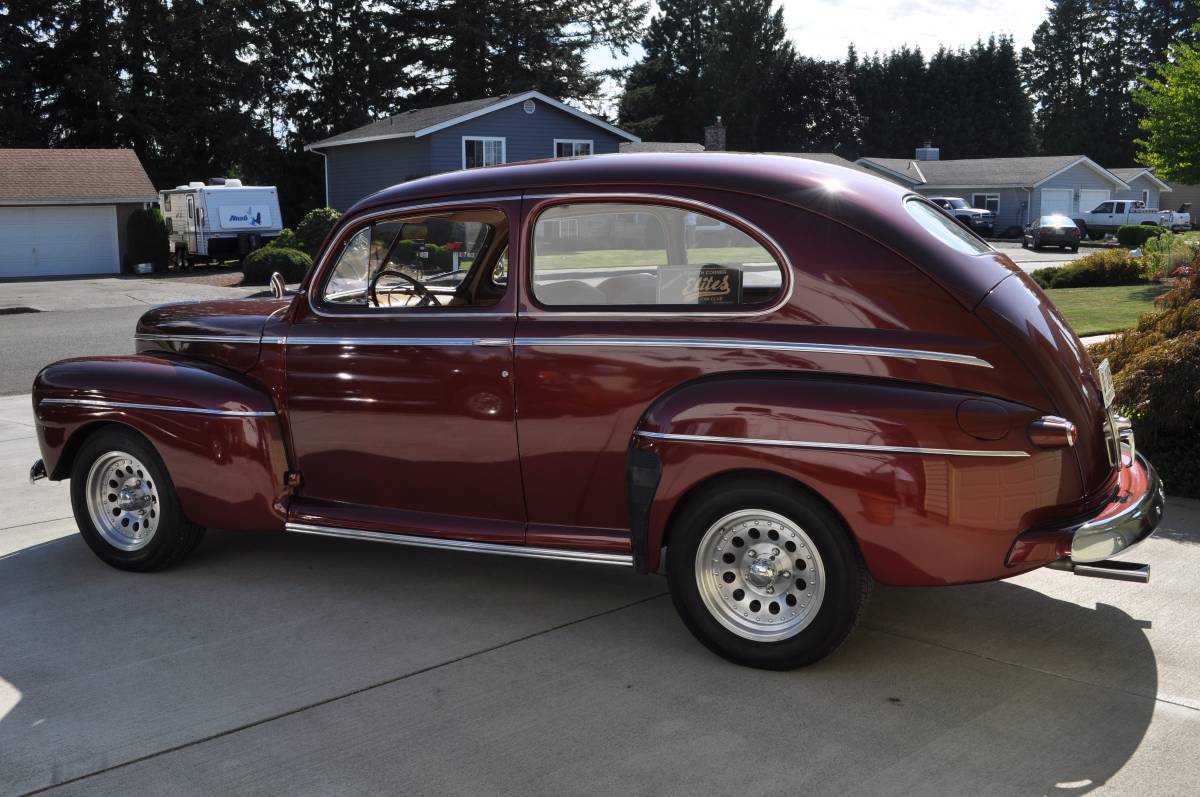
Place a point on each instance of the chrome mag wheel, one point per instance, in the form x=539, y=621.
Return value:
x=760, y=575
x=122, y=500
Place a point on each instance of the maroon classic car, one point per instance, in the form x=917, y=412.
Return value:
x=779, y=379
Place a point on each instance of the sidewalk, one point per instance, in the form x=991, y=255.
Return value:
x=108, y=292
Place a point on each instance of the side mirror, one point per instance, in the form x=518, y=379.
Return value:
x=278, y=286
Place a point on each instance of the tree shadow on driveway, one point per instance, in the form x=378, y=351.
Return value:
x=271, y=663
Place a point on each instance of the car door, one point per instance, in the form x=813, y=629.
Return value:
x=399, y=385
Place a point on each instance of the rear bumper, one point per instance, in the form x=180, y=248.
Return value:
x=1124, y=522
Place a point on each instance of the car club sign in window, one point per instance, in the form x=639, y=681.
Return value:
x=614, y=254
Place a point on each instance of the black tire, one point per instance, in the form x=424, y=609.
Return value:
x=1095, y=236
x=847, y=582
x=1024, y=244
x=1074, y=249
x=173, y=536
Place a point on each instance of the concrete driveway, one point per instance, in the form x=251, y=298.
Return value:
x=270, y=664
x=1030, y=260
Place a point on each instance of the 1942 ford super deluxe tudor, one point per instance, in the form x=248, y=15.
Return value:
x=784, y=378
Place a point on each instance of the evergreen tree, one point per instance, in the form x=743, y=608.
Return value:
x=24, y=54
x=1162, y=22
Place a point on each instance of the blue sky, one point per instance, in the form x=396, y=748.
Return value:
x=825, y=28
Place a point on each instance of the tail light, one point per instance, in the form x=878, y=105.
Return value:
x=1050, y=431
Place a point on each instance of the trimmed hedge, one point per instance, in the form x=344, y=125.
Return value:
x=1135, y=235
x=285, y=240
x=1110, y=267
x=260, y=264
x=146, y=235
x=313, y=228
x=1156, y=370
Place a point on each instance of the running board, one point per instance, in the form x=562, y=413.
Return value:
x=1111, y=569
x=529, y=552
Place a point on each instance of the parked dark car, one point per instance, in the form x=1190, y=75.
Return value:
x=848, y=387
x=1053, y=230
x=979, y=220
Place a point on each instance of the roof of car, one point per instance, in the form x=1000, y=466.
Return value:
x=806, y=182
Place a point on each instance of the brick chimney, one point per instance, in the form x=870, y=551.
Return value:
x=714, y=137
x=928, y=152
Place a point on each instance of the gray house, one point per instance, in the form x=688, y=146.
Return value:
x=64, y=211
x=1143, y=185
x=1015, y=189
x=424, y=141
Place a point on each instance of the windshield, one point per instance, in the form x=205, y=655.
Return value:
x=957, y=203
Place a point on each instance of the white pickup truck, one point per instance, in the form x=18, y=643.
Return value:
x=1110, y=215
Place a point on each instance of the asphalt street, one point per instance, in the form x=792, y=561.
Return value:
x=276, y=664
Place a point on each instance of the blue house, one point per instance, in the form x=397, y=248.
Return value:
x=424, y=141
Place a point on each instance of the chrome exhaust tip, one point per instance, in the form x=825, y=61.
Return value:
x=37, y=472
x=1111, y=569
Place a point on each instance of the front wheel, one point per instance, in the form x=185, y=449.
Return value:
x=125, y=503
x=765, y=577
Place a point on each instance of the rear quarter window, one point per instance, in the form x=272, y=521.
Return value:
x=643, y=255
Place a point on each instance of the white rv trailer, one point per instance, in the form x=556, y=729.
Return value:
x=220, y=220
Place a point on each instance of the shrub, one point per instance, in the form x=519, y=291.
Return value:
x=1135, y=235
x=146, y=236
x=285, y=240
x=261, y=263
x=1110, y=267
x=1166, y=252
x=313, y=228
x=1156, y=370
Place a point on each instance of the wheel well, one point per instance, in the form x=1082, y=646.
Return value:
x=67, y=460
x=759, y=477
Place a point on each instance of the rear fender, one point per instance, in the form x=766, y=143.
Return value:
x=927, y=501
x=217, y=433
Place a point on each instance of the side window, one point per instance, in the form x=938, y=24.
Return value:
x=422, y=261
x=641, y=255
x=1106, y=207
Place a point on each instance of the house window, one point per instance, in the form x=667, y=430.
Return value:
x=482, y=151
x=167, y=202
x=571, y=147
x=986, y=201
x=1145, y=197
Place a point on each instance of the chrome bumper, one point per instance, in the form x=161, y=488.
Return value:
x=1129, y=519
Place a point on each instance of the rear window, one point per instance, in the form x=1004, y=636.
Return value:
x=614, y=254
x=946, y=229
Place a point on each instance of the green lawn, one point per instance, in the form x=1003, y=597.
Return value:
x=1095, y=311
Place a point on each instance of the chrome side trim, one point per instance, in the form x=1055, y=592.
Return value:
x=529, y=552
x=802, y=348
x=130, y=405
x=198, y=338
x=863, y=447
x=303, y=341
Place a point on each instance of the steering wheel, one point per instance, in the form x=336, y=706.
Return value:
x=427, y=298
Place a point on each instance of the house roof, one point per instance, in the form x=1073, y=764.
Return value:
x=660, y=146
x=988, y=172
x=420, y=122
x=72, y=177
x=1132, y=173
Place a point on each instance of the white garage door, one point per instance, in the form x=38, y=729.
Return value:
x=44, y=241
x=1056, y=200
x=1089, y=198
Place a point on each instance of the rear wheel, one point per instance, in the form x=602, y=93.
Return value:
x=765, y=577
x=125, y=503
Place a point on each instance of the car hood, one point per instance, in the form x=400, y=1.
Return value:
x=227, y=332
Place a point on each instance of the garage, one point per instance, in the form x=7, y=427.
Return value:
x=63, y=212
x=1089, y=198
x=56, y=241
x=1056, y=200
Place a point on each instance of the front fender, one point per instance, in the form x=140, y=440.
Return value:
x=217, y=432
x=927, y=501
